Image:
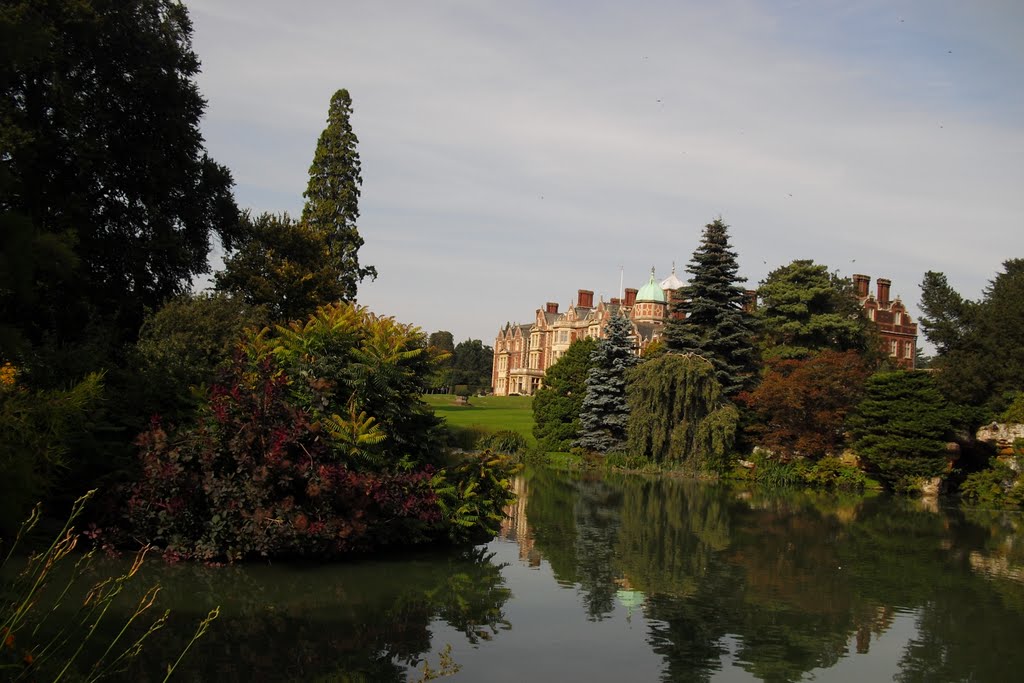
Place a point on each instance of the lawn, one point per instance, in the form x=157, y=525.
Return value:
x=491, y=413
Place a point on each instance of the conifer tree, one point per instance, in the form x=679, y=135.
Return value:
x=805, y=309
x=715, y=326
x=604, y=414
x=557, y=405
x=332, y=195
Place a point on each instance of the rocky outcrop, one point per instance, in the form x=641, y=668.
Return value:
x=1002, y=435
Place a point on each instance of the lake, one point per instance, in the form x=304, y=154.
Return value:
x=611, y=578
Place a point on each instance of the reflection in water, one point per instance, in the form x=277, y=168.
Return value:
x=783, y=585
x=364, y=621
x=608, y=578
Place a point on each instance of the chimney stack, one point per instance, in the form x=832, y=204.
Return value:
x=551, y=307
x=630, y=296
x=883, y=291
x=750, y=300
x=586, y=298
x=860, y=285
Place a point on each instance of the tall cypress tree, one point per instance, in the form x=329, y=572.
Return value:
x=605, y=414
x=332, y=195
x=716, y=325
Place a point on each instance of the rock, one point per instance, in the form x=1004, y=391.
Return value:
x=1002, y=437
x=931, y=487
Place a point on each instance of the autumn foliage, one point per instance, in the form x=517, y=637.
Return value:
x=801, y=405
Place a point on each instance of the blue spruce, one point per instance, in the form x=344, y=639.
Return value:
x=605, y=414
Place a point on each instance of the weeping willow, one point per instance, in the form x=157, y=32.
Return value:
x=678, y=413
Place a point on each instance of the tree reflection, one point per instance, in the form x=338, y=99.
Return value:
x=363, y=621
x=781, y=584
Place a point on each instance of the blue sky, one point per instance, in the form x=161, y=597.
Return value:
x=516, y=152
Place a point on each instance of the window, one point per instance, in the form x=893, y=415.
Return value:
x=894, y=348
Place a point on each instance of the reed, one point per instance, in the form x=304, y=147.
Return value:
x=44, y=637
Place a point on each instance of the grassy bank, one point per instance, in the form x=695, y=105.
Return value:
x=487, y=413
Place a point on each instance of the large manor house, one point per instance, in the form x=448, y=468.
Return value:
x=523, y=352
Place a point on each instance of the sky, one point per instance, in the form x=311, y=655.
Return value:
x=516, y=152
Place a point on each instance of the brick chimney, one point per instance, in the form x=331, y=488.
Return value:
x=860, y=285
x=630, y=296
x=616, y=301
x=586, y=298
x=883, y=291
x=750, y=300
x=551, y=307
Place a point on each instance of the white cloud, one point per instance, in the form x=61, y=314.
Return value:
x=516, y=153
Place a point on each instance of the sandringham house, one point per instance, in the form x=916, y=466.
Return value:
x=523, y=352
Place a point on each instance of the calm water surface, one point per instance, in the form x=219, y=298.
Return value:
x=627, y=578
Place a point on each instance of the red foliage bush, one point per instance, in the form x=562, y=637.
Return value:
x=800, y=407
x=255, y=477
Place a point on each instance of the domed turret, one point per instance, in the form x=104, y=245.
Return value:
x=650, y=302
x=652, y=291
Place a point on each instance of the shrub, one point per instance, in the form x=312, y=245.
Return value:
x=834, y=474
x=466, y=437
x=627, y=461
x=474, y=493
x=38, y=428
x=1015, y=412
x=997, y=486
x=504, y=441
x=182, y=345
x=772, y=472
x=257, y=477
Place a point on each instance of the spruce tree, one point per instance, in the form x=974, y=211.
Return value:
x=332, y=195
x=715, y=326
x=604, y=415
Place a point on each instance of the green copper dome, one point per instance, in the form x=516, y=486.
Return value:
x=651, y=291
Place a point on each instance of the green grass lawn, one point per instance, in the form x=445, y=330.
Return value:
x=492, y=413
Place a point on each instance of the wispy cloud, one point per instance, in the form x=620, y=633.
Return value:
x=515, y=153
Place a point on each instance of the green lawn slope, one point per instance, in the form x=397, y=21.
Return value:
x=487, y=413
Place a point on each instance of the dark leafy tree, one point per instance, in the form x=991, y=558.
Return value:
x=678, y=413
x=442, y=341
x=283, y=265
x=981, y=344
x=901, y=427
x=471, y=364
x=800, y=406
x=332, y=195
x=804, y=309
x=604, y=412
x=557, y=405
x=945, y=315
x=181, y=347
x=442, y=345
x=716, y=325
x=107, y=197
